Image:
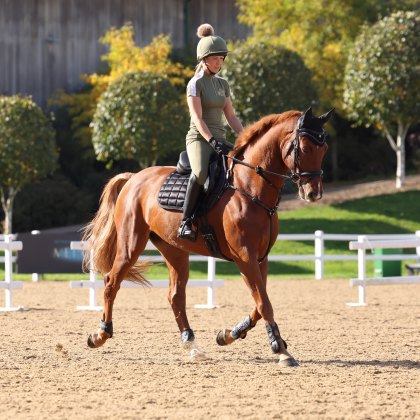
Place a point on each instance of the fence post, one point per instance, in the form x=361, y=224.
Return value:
x=319, y=254
x=361, y=270
x=8, y=283
x=36, y=276
x=211, y=277
x=8, y=269
x=418, y=248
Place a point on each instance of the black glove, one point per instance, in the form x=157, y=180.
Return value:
x=220, y=147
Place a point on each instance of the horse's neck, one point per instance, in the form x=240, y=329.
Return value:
x=266, y=154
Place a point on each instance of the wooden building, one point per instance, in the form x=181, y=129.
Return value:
x=47, y=44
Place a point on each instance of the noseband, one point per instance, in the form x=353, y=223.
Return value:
x=317, y=137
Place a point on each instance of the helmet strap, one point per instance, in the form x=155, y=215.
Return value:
x=212, y=72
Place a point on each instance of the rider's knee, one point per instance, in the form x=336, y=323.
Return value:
x=201, y=176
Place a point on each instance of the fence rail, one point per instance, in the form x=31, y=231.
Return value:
x=319, y=257
x=363, y=243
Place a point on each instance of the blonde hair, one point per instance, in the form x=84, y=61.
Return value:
x=200, y=66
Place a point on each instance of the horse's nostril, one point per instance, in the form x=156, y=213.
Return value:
x=312, y=196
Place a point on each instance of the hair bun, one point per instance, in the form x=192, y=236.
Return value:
x=205, y=30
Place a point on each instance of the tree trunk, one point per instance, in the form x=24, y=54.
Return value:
x=7, y=205
x=401, y=134
x=399, y=148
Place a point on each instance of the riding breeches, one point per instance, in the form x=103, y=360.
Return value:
x=199, y=154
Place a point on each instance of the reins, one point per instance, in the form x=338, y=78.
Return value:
x=271, y=210
x=317, y=137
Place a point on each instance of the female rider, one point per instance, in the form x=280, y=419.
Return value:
x=208, y=97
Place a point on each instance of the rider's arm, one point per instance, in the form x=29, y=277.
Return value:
x=231, y=117
x=196, y=112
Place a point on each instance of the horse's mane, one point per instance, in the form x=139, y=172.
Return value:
x=254, y=131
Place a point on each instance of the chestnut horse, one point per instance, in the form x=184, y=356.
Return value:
x=244, y=220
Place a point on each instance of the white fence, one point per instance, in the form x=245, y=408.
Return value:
x=93, y=283
x=8, y=246
x=363, y=243
x=319, y=257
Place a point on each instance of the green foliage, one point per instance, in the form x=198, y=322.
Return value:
x=51, y=203
x=140, y=116
x=320, y=31
x=27, y=143
x=27, y=149
x=123, y=57
x=267, y=79
x=383, y=75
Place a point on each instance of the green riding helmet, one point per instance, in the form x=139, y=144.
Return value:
x=211, y=45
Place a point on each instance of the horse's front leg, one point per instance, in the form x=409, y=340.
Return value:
x=240, y=330
x=255, y=276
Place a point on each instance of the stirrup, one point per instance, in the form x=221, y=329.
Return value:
x=186, y=231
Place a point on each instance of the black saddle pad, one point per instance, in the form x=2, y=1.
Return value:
x=172, y=192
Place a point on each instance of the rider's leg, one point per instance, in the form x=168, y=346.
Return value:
x=199, y=153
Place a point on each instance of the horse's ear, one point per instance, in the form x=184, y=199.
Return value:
x=307, y=117
x=325, y=117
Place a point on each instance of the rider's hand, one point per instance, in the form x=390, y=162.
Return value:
x=220, y=147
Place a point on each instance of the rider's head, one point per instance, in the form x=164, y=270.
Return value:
x=210, y=46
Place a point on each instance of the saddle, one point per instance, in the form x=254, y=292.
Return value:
x=172, y=195
x=172, y=192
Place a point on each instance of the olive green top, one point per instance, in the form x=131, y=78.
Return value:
x=213, y=91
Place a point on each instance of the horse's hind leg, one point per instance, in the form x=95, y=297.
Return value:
x=178, y=265
x=129, y=248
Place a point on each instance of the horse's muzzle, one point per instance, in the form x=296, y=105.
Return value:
x=310, y=193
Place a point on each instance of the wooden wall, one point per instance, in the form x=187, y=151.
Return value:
x=48, y=44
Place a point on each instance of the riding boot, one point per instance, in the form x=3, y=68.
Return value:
x=186, y=230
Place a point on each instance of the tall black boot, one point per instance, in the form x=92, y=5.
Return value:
x=185, y=230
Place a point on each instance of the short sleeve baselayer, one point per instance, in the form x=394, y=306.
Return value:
x=213, y=91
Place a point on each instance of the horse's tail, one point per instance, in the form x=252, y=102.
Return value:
x=100, y=235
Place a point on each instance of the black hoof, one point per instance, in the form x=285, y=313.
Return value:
x=90, y=342
x=220, y=338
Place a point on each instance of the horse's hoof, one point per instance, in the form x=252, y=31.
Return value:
x=196, y=355
x=288, y=362
x=224, y=338
x=90, y=342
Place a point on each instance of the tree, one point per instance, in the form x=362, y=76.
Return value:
x=382, y=80
x=27, y=149
x=140, y=116
x=284, y=82
x=321, y=32
x=123, y=57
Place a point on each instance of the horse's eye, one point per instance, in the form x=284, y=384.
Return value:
x=306, y=149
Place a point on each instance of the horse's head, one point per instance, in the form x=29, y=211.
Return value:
x=304, y=154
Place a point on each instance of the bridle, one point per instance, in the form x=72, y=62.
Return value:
x=317, y=137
